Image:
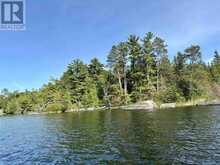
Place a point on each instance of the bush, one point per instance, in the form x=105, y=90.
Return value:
x=169, y=95
x=11, y=107
x=3, y=103
x=25, y=104
x=114, y=97
x=56, y=107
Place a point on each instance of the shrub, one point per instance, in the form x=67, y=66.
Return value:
x=11, y=107
x=25, y=104
x=169, y=95
x=56, y=107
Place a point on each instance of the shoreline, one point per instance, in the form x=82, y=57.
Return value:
x=145, y=105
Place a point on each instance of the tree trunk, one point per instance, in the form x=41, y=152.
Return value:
x=125, y=88
x=158, y=78
x=120, y=83
x=148, y=76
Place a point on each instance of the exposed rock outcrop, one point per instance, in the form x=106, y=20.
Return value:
x=1, y=112
x=144, y=105
x=212, y=102
x=168, y=105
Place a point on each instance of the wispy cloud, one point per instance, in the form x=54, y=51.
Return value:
x=182, y=23
x=191, y=21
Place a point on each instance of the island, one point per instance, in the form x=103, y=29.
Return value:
x=138, y=72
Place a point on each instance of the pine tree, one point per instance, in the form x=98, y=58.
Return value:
x=193, y=55
x=160, y=51
x=118, y=61
x=215, y=67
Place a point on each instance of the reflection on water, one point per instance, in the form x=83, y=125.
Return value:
x=183, y=136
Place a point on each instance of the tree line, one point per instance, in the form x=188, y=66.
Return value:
x=137, y=69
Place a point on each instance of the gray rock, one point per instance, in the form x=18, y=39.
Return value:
x=1, y=112
x=168, y=105
x=144, y=105
x=212, y=102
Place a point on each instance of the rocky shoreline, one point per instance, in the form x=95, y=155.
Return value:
x=152, y=106
x=149, y=105
x=1, y=112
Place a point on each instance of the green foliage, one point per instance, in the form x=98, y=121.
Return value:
x=90, y=98
x=3, y=102
x=118, y=61
x=79, y=84
x=56, y=107
x=24, y=103
x=115, y=97
x=137, y=69
x=169, y=95
x=95, y=68
x=12, y=107
x=215, y=67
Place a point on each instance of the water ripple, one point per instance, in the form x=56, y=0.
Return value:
x=168, y=137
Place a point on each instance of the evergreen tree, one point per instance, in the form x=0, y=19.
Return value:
x=136, y=69
x=99, y=75
x=79, y=84
x=118, y=61
x=149, y=66
x=193, y=55
x=162, y=61
x=215, y=67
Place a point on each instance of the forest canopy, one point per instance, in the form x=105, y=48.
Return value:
x=137, y=69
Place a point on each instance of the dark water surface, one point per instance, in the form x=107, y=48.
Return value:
x=182, y=136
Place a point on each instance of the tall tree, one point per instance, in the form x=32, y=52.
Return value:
x=160, y=50
x=95, y=68
x=215, y=67
x=118, y=61
x=135, y=53
x=149, y=59
x=98, y=74
x=113, y=63
x=193, y=54
x=149, y=64
x=180, y=72
x=79, y=84
x=136, y=66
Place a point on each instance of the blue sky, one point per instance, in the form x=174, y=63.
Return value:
x=58, y=31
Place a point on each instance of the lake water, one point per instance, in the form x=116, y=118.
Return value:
x=181, y=136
